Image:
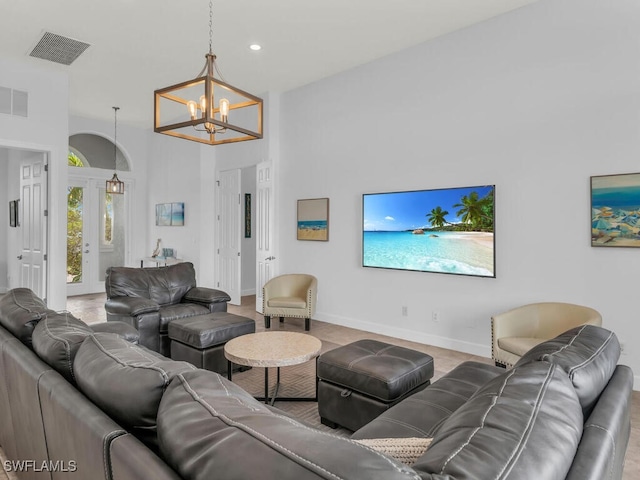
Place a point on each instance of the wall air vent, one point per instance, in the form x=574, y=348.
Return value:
x=59, y=49
x=14, y=102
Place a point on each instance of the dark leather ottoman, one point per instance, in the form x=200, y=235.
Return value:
x=200, y=340
x=359, y=381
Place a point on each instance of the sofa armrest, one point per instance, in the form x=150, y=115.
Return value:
x=132, y=306
x=205, y=296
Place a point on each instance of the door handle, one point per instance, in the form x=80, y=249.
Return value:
x=19, y=257
x=270, y=258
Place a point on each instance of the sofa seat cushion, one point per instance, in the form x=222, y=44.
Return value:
x=209, y=427
x=126, y=381
x=170, y=313
x=422, y=413
x=588, y=354
x=56, y=340
x=287, y=302
x=20, y=312
x=525, y=424
x=377, y=369
x=518, y=345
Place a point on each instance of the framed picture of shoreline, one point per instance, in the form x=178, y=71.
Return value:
x=313, y=219
x=170, y=214
x=615, y=210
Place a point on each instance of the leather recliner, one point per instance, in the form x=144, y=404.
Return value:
x=150, y=298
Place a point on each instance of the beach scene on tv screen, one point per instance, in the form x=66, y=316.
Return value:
x=447, y=230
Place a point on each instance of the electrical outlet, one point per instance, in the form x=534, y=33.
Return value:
x=405, y=311
x=435, y=316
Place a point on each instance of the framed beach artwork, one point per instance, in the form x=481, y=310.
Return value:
x=447, y=230
x=313, y=219
x=170, y=214
x=615, y=210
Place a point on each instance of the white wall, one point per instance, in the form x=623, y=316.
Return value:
x=535, y=101
x=4, y=218
x=46, y=129
x=173, y=176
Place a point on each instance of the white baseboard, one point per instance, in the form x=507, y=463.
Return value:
x=410, y=335
x=3, y=290
x=250, y=291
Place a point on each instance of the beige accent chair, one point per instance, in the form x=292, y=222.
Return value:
x=292, y=295
x=515, y=332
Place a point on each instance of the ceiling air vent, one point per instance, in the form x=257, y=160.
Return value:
x=59, y=49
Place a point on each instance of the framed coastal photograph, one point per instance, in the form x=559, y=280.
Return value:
x=446, y=230
x=313, y=219
x=615, y=210
x=163, y=214
x=177, y=214
x=170, y=214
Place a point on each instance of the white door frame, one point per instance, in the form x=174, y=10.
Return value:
x=229, y=221
x=266, y=255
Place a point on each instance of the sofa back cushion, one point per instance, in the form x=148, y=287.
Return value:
x=56, y=340
x=126, y=381
x=20, y=312
x=588, y=354
x=165, y=286
x=209, y=428
x=525, y=424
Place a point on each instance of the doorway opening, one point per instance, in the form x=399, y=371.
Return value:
x=96, y=219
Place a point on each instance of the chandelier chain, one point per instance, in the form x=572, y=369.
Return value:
x=115, y=134
x=210, y=26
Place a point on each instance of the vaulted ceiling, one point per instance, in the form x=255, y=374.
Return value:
x=137, y=46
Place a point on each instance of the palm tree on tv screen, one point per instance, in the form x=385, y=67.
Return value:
x=437, y=217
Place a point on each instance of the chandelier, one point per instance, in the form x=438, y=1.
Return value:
x=207, y=109
x=115, y=186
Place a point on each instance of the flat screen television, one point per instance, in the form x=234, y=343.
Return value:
x=446, y=230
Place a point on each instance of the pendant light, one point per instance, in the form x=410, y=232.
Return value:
x=206, y=109
x=115, y=186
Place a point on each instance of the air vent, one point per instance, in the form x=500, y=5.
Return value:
x=59, y=49
x=14, y=102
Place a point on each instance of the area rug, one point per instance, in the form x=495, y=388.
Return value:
x=295, y=381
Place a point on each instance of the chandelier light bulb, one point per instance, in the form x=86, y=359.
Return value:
x=224, y=109
x=193, y=109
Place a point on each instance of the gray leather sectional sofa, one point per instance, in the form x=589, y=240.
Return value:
x=101, y=407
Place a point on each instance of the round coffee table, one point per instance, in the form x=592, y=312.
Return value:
x=272, y=349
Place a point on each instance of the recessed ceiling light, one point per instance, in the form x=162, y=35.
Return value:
x=255, y=47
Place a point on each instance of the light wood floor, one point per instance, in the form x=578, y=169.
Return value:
x=90, y=308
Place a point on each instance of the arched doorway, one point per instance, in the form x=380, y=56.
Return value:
x=97, y=221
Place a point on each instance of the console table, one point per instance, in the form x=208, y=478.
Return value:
x=160, y=261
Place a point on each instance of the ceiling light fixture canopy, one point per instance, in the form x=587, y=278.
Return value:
x=206, y=109
x=115, y=186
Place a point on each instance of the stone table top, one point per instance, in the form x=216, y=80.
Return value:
x=272, y=349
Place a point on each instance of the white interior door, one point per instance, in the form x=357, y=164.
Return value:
x=33, y=224
x=266, y=265
x=229, y=235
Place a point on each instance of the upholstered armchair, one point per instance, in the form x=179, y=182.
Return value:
x=292, y=295
x=515, y=332
x=150, y=298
